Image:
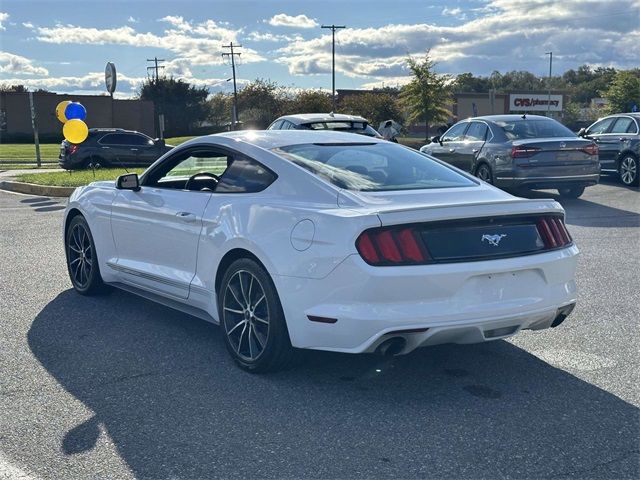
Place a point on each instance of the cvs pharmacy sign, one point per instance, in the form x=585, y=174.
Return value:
x=528, y=102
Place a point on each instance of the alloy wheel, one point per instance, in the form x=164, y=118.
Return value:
x=484, y=173
x=80, y=255
x=246, y=315
x=628, y=170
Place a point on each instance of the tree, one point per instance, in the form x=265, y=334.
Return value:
x=427, y=94
x=260, y=103
x=13, y=88
x=220, y=109
x=375, y=107
x=183, y=105
x=624, y=91
x=466, y=82
x=308, y=101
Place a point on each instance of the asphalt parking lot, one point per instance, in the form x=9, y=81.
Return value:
x=118, y=387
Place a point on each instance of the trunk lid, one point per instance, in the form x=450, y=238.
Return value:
x=418, y=206
x=553, y=152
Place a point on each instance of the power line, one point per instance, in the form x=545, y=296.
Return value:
x=156, y=67
x=231, y=54
x=333, y=60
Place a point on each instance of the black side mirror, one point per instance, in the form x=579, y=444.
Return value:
x=160, y=142
x=582, y=132
x=435, y=139
x=129, y=181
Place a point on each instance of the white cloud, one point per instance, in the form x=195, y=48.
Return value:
x=3, y=18
x=454, y=12
x=192, y=43
x=509, y=35
x=93, y=82
x=271, y=37
x=27, y=25
x=17, y=65
x=298, y=21
x=132, y=20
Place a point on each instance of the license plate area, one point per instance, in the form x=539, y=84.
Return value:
x=460, y=243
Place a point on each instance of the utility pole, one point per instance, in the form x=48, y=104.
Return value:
x=231, y=54
x=157, y=106
x=549, y=97
x=333, y=60
x=156, y=67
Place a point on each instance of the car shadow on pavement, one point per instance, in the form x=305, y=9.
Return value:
x=586, y=213
x=162, y=386
x=45, y=204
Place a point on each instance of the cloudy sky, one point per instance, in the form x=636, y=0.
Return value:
x=63, y=46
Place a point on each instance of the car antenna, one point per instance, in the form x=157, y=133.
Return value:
x=331, y=114
x=524, y=116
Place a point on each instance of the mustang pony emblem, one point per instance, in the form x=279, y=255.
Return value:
x=493, y=239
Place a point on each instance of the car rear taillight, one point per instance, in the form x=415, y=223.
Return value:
x=391, y=246
x=553, y=232
x=71, y=149
x=591, y=149
x=522, y=151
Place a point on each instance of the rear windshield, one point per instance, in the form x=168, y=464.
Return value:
x=521, y=129
x=373, y=166
x=341, y=126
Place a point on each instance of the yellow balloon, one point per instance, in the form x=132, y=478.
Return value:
x=75, y=131
x=60, y=110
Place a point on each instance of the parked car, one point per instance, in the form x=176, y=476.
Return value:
x=618, y=138
x=112, y=147
x=325, y=121
x=326, y=241
x=520, y=151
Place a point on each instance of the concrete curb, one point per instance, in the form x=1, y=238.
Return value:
x=33, y=189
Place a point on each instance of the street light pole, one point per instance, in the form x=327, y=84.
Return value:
x=333, y=61
x=232, y=55
x=549, y=85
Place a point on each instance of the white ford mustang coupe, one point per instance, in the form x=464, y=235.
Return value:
x=323, y=240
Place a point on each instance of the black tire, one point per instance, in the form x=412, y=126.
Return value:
x=483, y=172
x=252, y=321
x=571, y=192
x=82, y=259
x=628, y=170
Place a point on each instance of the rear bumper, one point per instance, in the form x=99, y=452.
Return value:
x=547, y=182
x=450, y=303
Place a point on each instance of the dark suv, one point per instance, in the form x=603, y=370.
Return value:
x=618, y=138
x=112, y=147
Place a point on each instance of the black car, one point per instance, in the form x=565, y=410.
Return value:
x=112, y=147
x=520, y=152
x=618, y=137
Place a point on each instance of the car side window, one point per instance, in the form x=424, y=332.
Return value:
x=110, y=139
x=245, y=175
x=138, y=140
x=600, y=127
x=477, y=132
x=622, y=125
x=455, y=133
x=178, y=168
x=277, y=125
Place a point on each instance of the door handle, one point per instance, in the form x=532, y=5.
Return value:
x=475, y=150
x=186, y=216
x=134, y=149
x=451, y=150
x=105, y=148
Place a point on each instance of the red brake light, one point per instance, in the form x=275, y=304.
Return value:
x=389, y=246
x=72, y=149
x=591, y=149
x=553, y=232
x=522, y=151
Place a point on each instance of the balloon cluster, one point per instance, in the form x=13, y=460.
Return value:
x=72, y=115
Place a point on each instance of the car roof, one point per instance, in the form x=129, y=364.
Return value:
x=269, y=139
x=322, y=117
x=510, y=118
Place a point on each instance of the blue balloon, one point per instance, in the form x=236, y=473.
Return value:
x=75, y=110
